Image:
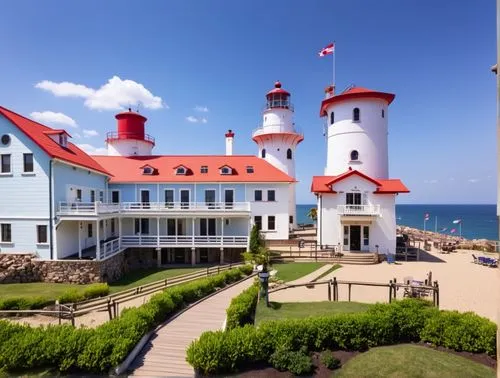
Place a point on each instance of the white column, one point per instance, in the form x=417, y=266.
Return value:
x=158, y=257
x=192, y=229
x=79, y=239
x=120, y=232
x=98, y=238
x=249, y=230
x=222, y=232
x=221, y=256
x=193, y=256
x=158, y=232
x=105, y=228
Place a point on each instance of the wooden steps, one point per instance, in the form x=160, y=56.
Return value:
x=360, y=258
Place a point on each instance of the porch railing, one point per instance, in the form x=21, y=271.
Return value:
x=87, y=208
x=358, y=209
x=182, y=240
x=110, y=248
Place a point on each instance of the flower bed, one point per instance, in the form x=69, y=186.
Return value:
x=99, y=349
x=383, y=324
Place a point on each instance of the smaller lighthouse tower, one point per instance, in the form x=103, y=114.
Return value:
x=130, y=138
x=277, y=138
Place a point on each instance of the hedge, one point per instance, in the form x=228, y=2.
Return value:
x=241, y=311
x=99, y=349
x=408, y=320
x=24, y=303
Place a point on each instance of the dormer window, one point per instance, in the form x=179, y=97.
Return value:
x=180, y=170
x=225, y=170
x=63, y=140
x=250, y=169
x=204, y=169
x=148, y=170
x=59, y=136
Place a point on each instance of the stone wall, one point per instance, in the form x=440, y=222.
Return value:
x=21, y=268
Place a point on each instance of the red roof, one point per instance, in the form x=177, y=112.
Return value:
x=56, y=132
x=127, y=169
x=354, y=93
x=39, y=134
x=277, y=90
x=322, y=184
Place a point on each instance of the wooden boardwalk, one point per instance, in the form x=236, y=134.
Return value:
x=165, y=353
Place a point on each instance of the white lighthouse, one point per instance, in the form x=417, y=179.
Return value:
x=130, y=138
x=357, y=124
x=278, y=138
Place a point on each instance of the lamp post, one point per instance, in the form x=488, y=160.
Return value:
x=264, y=283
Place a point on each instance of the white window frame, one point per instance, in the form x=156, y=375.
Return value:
x=10, y=164
x=181, y=173
x=119, y=195
x=2, y=235
x=32, y=172
x=262, y=195
x=46, y=234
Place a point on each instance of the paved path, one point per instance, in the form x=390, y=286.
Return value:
x=165, y=353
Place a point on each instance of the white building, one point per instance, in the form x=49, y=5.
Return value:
x=356, y=199
x=60, y=203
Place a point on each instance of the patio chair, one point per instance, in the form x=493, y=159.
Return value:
x=475, y=259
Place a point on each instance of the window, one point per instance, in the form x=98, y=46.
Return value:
x=383, y=113
x=271, y=195
x=184, y=194
x=290, y=219
x=346, y=235
x=169, y=198
x=101, y=196
x=263, y=153
x=226, y=221
x=63, y=140
x=170, y=226
x=258, y=195
x=353, y=199
x=112, y=226
x=137, y=226
x=5, y=164
x=79, y=195
x=41, y=234
x=204, y=169
x=180, y=171
x=354, y=155
x=5, y=230
x=89, y=230
x=226, y=171
x=332, y=118
x=289, y=154
x=115, y=196
x=257, y=220
x=210, y=198
x=366, y=235
x=147, y=171
x=271, y=222
x=92, y=196
x=355, y=115
x=145, y=226
x=28, y=162
x=250, y=169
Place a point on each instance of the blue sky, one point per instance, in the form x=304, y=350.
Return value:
x=434, y=55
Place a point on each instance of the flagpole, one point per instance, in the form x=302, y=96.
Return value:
x=333, y=59
x=436, y=224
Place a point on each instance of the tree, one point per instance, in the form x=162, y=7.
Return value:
x=255, y=240
x=313, y=214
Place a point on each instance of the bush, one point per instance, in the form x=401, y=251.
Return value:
x=24, y=303
x=96, y=290
x=72, y=295
x=241, y=311
x=99, y=349
x=384, y=324
x=298, y=363
x=329, y=360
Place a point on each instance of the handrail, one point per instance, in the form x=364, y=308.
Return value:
x=358, y=209
x=113, y=135
x=276, y=128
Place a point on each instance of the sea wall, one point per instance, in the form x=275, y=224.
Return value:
x=21, y=268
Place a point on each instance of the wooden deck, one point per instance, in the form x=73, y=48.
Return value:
x=165, y=353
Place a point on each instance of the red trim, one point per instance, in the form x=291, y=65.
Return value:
x=57, y=132
x=296, y=138
x=229, y=134
x=350, y=173
x=355, y=93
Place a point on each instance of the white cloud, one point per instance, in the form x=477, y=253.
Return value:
x=430, y=181
x=76, y=135
x=473, y=180
x=114, y=95
x=53, y=118
x=90, y=133
x=194, y=119
x=199, y=108
x=91, y=150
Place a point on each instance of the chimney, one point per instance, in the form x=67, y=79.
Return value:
x=229, y=142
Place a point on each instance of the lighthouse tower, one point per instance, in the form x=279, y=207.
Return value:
x=278, y=138
x=357, y=124
x=130, y=138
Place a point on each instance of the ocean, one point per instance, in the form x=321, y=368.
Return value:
x=478, y=221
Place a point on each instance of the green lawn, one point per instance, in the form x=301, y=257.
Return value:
x=53, y=290
x=295, y=310
x=294, y=270
x=412, y=361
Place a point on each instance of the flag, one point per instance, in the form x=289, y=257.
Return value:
x=327, y=50
x=427, y=216
x=453, y=230
x=457, y=221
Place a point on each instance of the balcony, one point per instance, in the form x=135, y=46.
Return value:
x=115, y=135
x=156, y=208
x=370, y=210
x=164, y=241
x=276, y=129
x=87, y=208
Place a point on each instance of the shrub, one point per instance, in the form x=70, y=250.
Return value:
x=329, y=360
x=24, y=303
x=97, y=350
x=297, y=362
x=72, y=295
x=96, y=290
x=241, y=311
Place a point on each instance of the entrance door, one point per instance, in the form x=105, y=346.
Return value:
x=145, y=199
x=229, y=198
x=184, y=199
x=355, y=238
x=210, y=198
